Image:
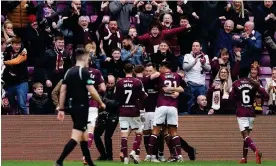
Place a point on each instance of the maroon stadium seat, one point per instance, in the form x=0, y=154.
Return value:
x=61, y=5
x=30, y=70
x=265, y=61
x=265, y=71
x=89, y=8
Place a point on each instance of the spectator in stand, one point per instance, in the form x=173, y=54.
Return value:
x=131, y=53
x=55, y=63
x=218, y=95
x=111, y=37
x=85, y=31
x=200, y=108
x=155, y=35
x=121, y=12
x=264, y=16
x=223, y=61
x=97, y=59
x=16, y=74
x=164, y=54
x=207, y=12
x=145, y=17
x=195, y=65
x=254, y=75
x=17, y=13
x=35, y=40
x=236, y=12
x=38, y=103
x=172, y=40
x=182, y=8
x=132, y=32
x=7, y=31
x=252, y=41
x=115, y=64
x=270, y=43
x=185, y=39
x=223, y=36
x=271, y=90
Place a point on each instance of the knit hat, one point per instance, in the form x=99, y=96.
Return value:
x=32, y=18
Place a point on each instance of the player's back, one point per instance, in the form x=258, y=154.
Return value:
x=97, y=79
x=128, y=91
x=168, y=79
x=244, y=93
x=76, y=87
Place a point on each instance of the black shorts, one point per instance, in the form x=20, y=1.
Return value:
x=79, y=115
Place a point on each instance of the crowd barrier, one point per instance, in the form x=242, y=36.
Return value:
x=214, y=137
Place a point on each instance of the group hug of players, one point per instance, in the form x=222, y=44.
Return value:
x=148, y=101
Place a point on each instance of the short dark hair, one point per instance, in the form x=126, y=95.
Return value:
x=165, y=64
x=150, y=64
x=184, y=18
x=79, y=52
x=128, y=38
x=59, y=37
x=139, y=69
x=116, y=49
x=197, y=42
x=128, y=68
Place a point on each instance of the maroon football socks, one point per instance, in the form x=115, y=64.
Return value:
x=124, y=146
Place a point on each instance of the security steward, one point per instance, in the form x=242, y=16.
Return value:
x=74, y=92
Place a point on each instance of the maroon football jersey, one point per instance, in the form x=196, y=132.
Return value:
x=244, y=92
x=97, y=79
x=168, y=79
x=151, y=88
x=128, y=92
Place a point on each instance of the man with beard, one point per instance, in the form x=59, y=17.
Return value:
x=131, y=53
x=111, y=37
x=55, y=63
x=16, y=74
x=107, y=122
x=115, y=64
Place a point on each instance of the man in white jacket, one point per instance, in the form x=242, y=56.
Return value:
x=195, y=65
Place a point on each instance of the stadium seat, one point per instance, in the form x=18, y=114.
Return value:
x=30, y=70
x=61, y=5
x=265, y=61
x=89, y=8
x=265, y=71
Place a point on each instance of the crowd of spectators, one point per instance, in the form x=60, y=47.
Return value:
x=218, y=41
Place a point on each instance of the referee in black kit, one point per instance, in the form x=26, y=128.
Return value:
x=74, y=92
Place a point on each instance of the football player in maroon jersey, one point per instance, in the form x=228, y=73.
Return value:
x=243, y=92
x=128, y=91
x=169, y=84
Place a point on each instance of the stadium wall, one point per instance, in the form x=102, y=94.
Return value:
x=214, y=137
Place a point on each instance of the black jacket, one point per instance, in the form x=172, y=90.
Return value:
x=112, y=106
x=157, y=58
x=39, y=104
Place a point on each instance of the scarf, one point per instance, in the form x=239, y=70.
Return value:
x=59, y=61
x=216, y=99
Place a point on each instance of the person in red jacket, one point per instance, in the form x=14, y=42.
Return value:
x=152, y=39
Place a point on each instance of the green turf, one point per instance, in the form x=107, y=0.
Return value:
x=185, y=163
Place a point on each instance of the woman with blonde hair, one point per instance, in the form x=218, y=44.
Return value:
x=235, y=11
x=96, y=60
x=218, y=94
x=7, y=30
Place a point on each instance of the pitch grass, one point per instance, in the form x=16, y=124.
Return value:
x=115, y=163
